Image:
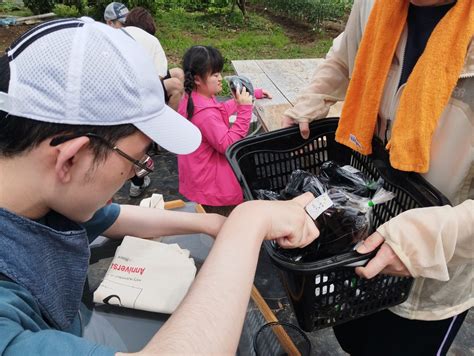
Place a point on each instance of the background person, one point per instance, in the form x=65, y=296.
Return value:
x=139, y=24
x=172, y=79
x=412, y=87
x=115, y=14
x=205, y=176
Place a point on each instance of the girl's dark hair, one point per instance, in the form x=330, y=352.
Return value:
x=201, y=61
x=19, y=135
x=140, y=17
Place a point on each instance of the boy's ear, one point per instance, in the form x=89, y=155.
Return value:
x=65, y=158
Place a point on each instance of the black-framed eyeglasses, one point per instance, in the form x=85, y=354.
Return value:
x=142, y=167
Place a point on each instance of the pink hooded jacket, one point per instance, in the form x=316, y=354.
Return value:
x=205, y=176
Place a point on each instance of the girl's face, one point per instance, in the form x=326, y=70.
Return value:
x=209, y=86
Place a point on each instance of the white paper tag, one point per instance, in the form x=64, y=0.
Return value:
x=319, y=205
x=350, y=169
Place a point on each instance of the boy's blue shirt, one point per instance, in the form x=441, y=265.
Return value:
x=24, y=331
x=47, y=263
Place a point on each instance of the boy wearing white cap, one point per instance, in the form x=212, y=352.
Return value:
x=79, y=106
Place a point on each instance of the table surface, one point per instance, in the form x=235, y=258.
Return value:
x=283, y=78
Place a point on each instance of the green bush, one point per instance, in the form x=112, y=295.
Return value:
x=7, y=6
x=193, y=5
x=82, y=6
x=150, y=5
x=39, y=6
x=62, y=10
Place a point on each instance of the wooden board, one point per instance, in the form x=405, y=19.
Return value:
x=270, y=115
x=260, y=80
x=289, y=76
x=283, y=78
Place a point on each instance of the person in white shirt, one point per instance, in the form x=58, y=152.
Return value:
x=172, y=79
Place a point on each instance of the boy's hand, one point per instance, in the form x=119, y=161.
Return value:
x=243, y=98
x=290, y=225
x=214, y=223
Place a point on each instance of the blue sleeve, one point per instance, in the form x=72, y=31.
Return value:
x=24, y=332
x=102, y=220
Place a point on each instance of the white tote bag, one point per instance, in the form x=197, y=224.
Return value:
x=147, y=275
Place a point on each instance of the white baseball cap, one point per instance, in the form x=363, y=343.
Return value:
x=82, y=72
x=116, y=11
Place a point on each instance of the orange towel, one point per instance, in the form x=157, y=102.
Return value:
x=427, y=91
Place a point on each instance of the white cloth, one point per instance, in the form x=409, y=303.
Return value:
x=156, y=201
x=153, y=46
x=147, y=275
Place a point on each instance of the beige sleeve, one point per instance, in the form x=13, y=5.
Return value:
x=331, y=78
x=427, y=240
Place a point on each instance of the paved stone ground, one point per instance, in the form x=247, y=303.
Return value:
x=165, y=181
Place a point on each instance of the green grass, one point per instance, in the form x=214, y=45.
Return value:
x=9, y=8
x=237, y=38
x=254, y=38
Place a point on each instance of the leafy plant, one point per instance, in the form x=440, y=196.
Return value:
x=7, y=6
x=80, y=5
x=62, y=10
x=39, y=6
x=150, y=5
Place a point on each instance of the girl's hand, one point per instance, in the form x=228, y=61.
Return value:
x=266, y=94
x=243, y=98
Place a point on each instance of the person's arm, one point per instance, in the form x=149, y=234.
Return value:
x=147, y=223
x=262, y=94
x=327, y=86
x=210, y=318
x=330, y=80
x=423, y=242
x=217, y=132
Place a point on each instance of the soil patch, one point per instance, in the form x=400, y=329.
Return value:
x=300, y=32
x=10, y=33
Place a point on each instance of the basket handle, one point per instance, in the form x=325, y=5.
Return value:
x=356, y=259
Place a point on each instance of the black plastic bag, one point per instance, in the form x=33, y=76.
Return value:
x=341, y=226
x=348, y=178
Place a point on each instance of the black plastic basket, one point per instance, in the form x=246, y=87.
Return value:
x=328, y=292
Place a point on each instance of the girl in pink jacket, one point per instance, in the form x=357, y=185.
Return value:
x=205, y=176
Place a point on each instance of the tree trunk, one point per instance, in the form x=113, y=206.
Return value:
x=241, y=5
